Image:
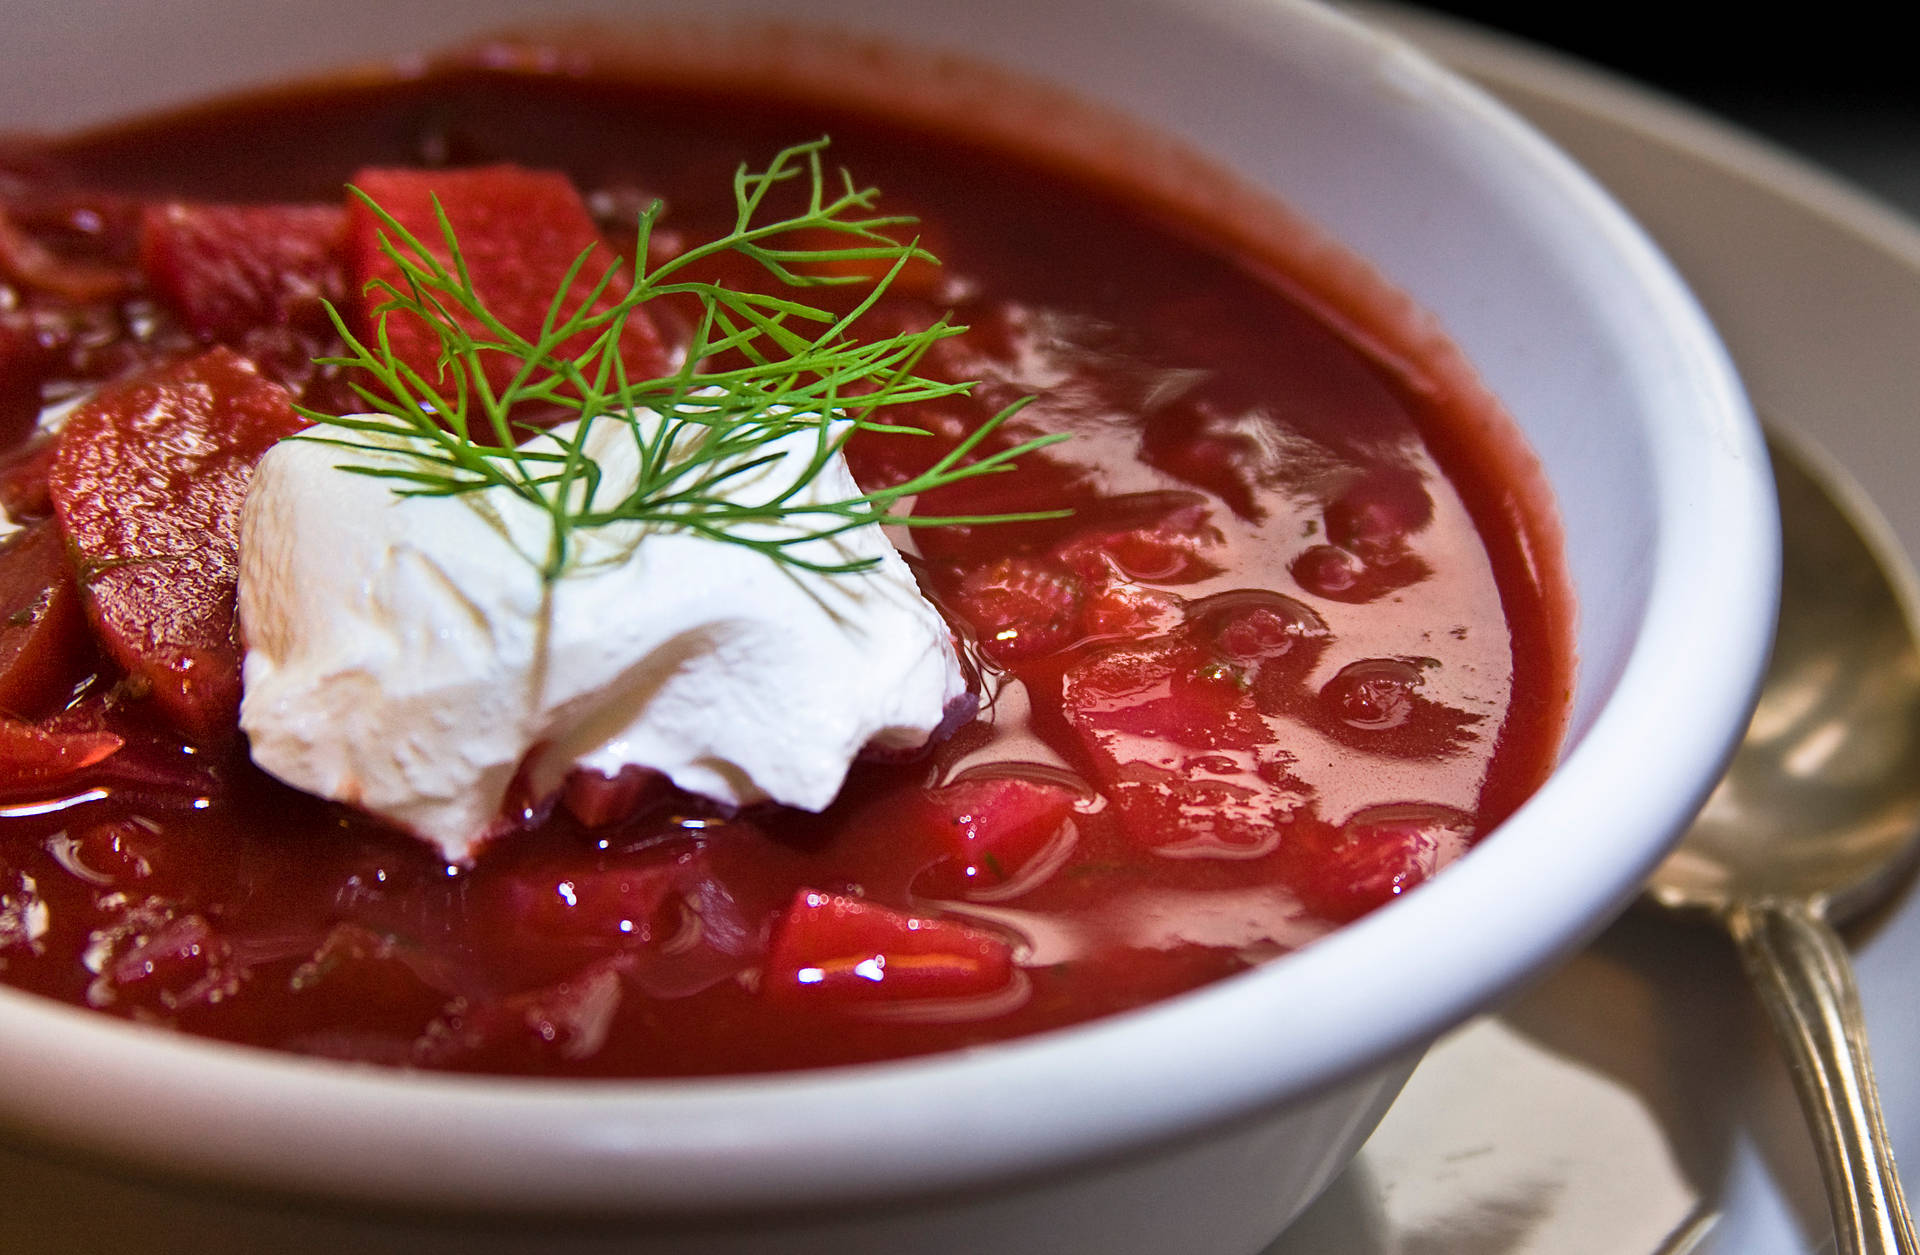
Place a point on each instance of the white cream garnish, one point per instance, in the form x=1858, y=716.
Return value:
x=404, y=654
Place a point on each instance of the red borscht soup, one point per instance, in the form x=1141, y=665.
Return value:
x=1296, y=644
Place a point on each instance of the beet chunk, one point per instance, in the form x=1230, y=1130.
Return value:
x=147, y=485
x=42, y=632
x=519, y=231
x=31, y=755
x=845, y=953
x=227, y=269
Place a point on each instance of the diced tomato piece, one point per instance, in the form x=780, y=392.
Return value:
x=30, y=755
x=1022, y=607
x=995, y=825
x=845, y=952
x=147, y=485
x=227, y=269
x=42, y=630
x=519, y=232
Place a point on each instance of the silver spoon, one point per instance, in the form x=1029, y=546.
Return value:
x=1816, y=822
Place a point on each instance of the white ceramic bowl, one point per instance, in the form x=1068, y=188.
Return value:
x=1198, y=1125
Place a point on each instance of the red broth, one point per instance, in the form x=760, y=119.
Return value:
x=1298, y=646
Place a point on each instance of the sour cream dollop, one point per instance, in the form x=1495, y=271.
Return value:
x=404, y=655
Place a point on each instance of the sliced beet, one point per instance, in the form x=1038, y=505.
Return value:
x=147, y=485
x=519, y=231
x=32, y=755
x=227, y=269
x=846, y=953
x=42, y=630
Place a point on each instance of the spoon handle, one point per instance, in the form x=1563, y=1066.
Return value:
x=1801, y=971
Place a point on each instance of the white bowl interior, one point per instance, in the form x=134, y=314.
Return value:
x=1573, y=321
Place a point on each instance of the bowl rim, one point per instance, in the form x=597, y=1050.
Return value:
x=1129, y=1081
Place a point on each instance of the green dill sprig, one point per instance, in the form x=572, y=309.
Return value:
x=760, y=368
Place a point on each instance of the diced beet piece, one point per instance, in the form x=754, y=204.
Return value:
x=227, y=269
x=147, y=485
x=1254, y=626
x=1271, y=639
x=1021, y=607
x=996, y=825
x=1164, y=691
x=1378, y=854
x=23, y=477
x=594, y=909
x=519, y=231
x=1178, y=742
x=31, y=755
x=42, y=630
x=154, y=957
x=847, y=953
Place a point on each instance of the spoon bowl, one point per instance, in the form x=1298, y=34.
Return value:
x=1818, y=818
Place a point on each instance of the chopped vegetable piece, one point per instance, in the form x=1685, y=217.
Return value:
x=147, y=485
x=31, y=755
x=1022, y=607
x=42, y=631
x=228, y=269
x=844, y=952
x=519, y=230
x=1179, y=744
x=1377, y=855
x=995, y=825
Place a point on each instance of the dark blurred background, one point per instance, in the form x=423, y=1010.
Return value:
x=1836, y=81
